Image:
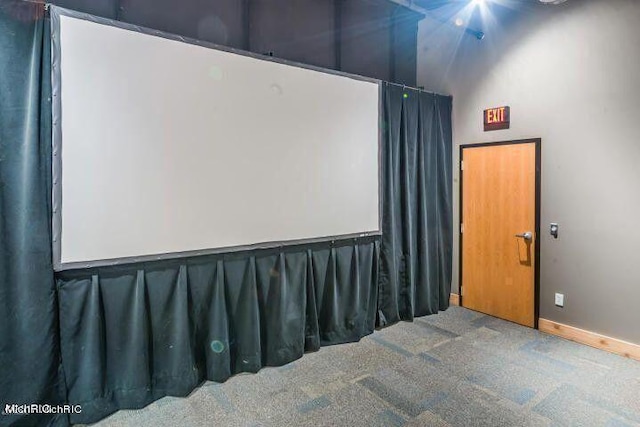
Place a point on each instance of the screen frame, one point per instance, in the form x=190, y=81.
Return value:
x=57, y=145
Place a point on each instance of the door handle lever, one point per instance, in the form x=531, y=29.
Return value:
x=527, y=235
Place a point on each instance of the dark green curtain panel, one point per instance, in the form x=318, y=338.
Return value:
x=415, y=264
x=131, y=335
x=29, y=352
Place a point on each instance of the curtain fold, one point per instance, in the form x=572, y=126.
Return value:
x=131, y=335
x=29, y=346
x=415, y=262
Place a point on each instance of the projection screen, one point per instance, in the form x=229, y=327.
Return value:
x=166, y=147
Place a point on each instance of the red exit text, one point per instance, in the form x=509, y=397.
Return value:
x=497, y=118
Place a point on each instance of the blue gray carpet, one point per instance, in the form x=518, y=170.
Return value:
x=457, y=368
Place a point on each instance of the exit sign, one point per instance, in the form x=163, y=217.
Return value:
x=497, y=118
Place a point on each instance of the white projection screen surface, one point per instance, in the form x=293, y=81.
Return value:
x=169, y=148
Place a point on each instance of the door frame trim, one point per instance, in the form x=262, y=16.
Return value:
x=538, y=148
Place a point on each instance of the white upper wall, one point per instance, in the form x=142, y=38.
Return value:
x=571, y=74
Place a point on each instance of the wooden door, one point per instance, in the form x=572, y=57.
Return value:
x=498, y=208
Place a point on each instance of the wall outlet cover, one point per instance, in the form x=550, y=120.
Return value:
x=560, y=300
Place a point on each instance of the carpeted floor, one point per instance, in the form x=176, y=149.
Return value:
x=458, y=368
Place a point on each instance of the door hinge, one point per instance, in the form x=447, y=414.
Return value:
x=461, y=165
x=461, y=228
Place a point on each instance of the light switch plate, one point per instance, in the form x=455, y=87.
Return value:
x=560, y=300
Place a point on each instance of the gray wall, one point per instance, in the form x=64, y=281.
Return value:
x=571, y=74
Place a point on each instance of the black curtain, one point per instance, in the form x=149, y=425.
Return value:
x=415, y=264
x=29, y=346
x=131, y=335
